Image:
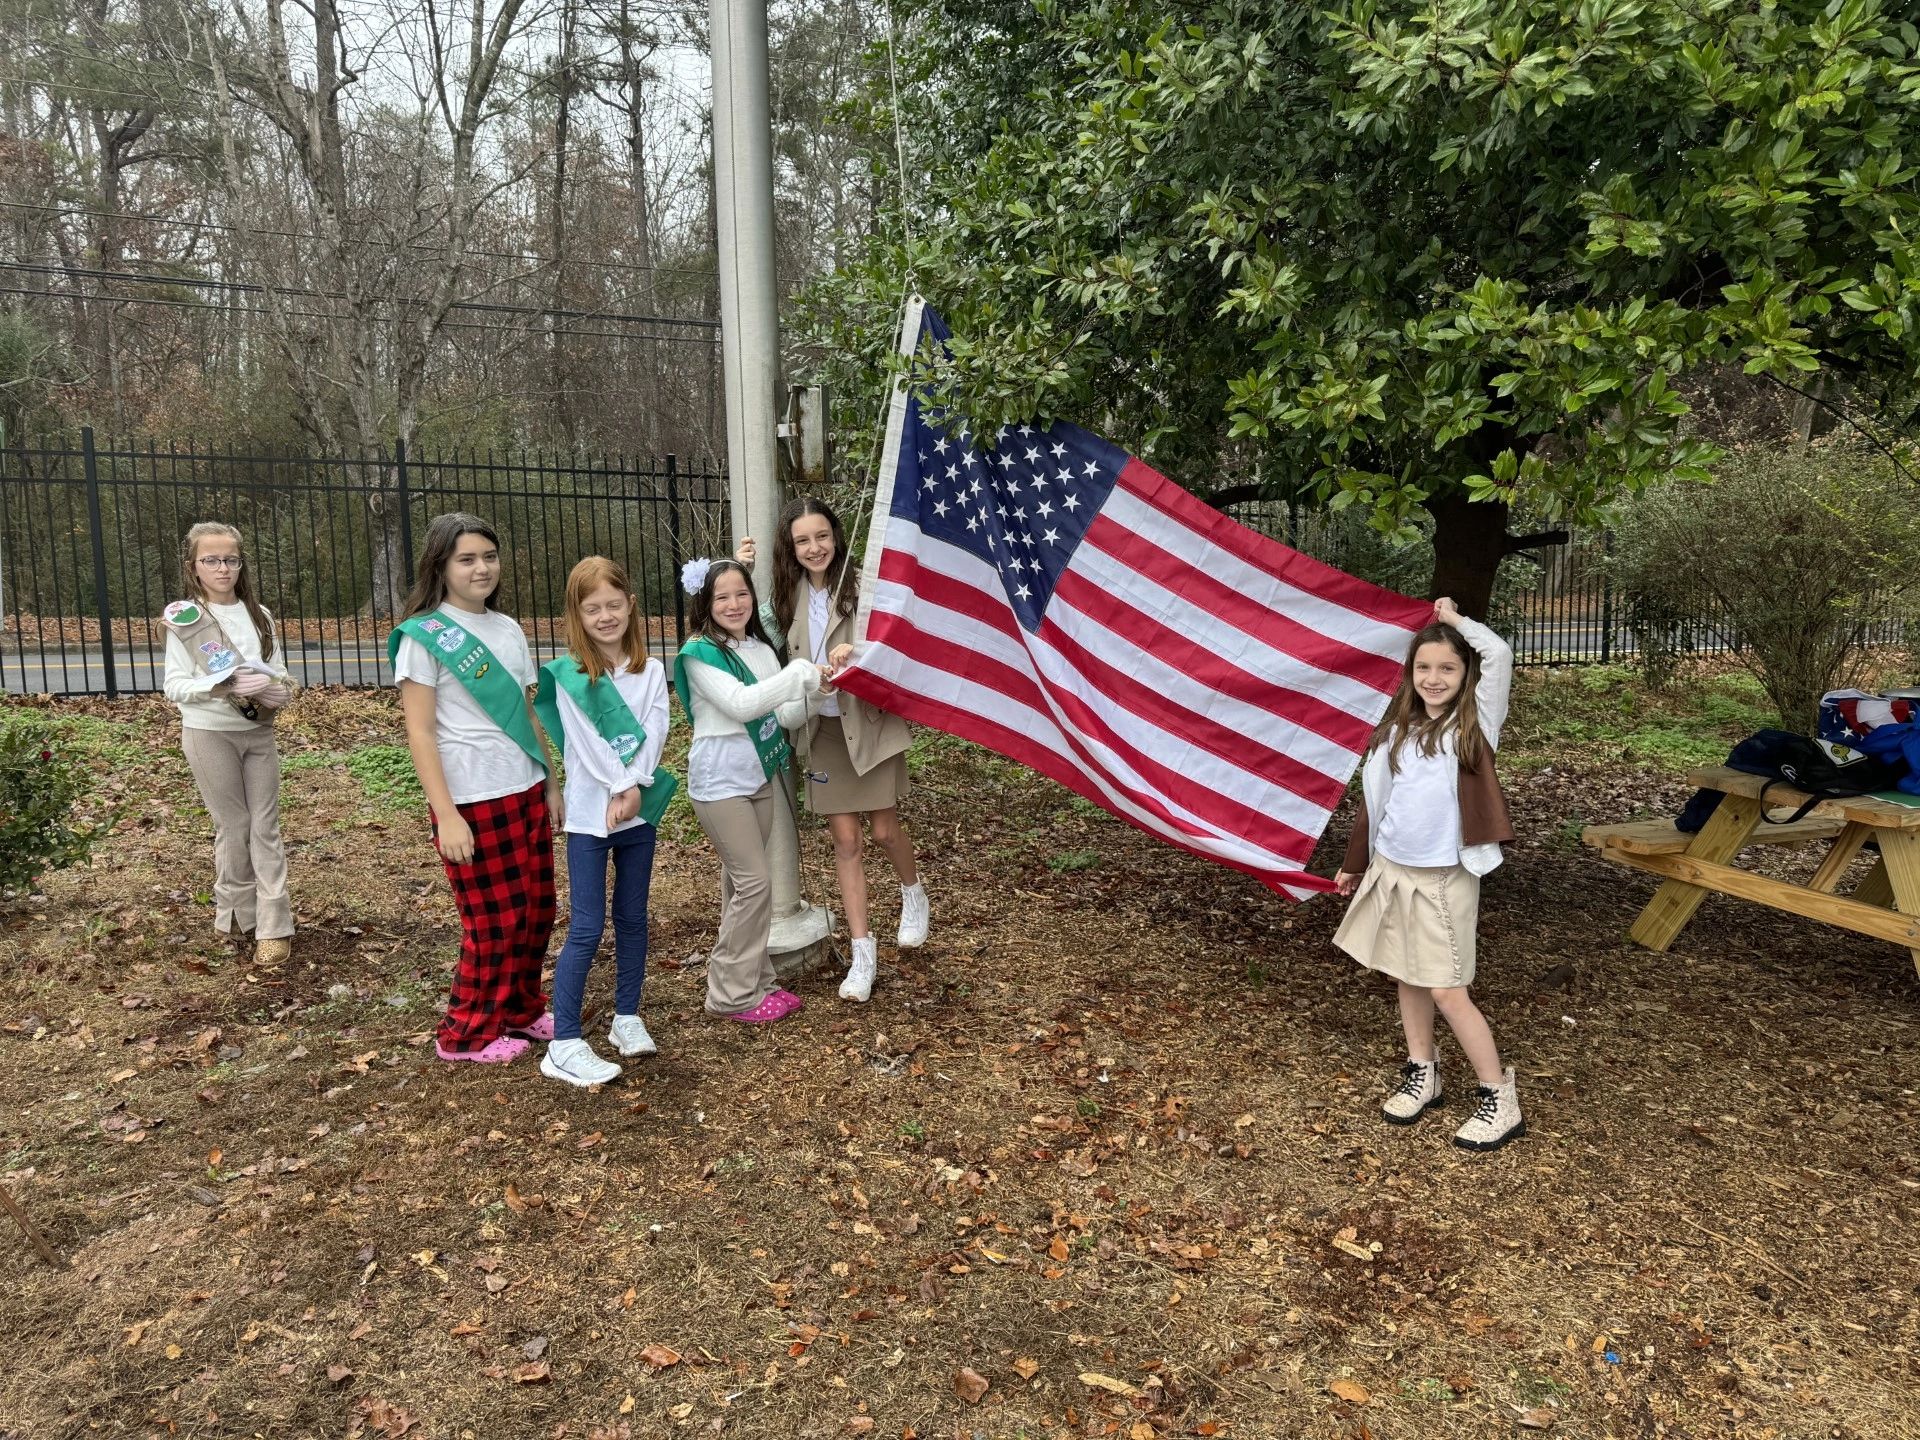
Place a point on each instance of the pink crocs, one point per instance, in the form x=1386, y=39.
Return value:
x=494, y=1052
x=541, y=1029
x=768, y=1010
x=789, y=1002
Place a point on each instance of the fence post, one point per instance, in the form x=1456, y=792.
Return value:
x=1606, y=597
x=673, y=557
x=101, y=602
x=406, y=504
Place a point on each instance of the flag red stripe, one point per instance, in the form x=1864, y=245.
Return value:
x=1263, y=553
x=1235, y=749
x=1242, y=612
x=970, y=725
x=1238, y=751
x=1209, y=668
x=1222, y=811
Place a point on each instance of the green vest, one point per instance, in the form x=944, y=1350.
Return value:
x=492, y=686
x=610, y=715
x=765, y=732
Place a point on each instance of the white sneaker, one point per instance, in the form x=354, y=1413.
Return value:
x=914, y=915
x=629, y=1036
x=859, y=982
x=1418, y=1091
x=1496, y=1119
x=574, y=1062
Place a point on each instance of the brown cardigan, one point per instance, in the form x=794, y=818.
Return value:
x=1483, y=817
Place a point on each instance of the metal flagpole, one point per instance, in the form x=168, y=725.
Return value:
x=750, y=355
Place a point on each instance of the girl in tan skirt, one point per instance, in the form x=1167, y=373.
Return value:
x=854, y=753
x=1431, y=823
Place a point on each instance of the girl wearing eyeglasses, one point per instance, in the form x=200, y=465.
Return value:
x=229, y=679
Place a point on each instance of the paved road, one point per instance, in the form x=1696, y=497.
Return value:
x=84, y=672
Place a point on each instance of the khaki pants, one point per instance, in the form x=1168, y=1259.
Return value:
x=238, y=772
x=739, y=971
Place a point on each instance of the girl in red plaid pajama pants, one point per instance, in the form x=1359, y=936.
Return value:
x=463, y=669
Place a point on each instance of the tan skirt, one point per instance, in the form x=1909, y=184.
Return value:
x=842, y=792
x=1414, y=923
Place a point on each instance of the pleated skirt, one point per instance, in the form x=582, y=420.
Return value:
x=1414, y=923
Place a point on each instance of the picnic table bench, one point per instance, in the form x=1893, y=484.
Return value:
x=1885, y=904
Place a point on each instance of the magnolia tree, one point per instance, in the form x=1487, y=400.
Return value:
x=1402, y=256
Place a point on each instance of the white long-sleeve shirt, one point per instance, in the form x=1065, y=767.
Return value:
x=594, y=773
x=722, y=762
x=1421, y=825
x=185, y=686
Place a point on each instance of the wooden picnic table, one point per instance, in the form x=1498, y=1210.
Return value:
x=1885, y=904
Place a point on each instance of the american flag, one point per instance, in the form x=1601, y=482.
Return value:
x=1042, y=593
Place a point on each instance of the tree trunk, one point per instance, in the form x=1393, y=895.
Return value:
x=1469, y=542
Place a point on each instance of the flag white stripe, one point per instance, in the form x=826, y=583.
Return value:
x=1211, y=632
x=1040, y=661
x=943, y=686
x=1316, y=612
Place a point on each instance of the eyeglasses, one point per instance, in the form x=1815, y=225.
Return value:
x=220, y=562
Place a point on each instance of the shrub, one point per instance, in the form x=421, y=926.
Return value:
x=1802, y=554
x=40, y=781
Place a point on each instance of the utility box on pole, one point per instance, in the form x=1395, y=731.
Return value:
x=805, y=434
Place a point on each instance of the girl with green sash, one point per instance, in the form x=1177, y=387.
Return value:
x=741, y=702
x=605, y=704
x=463, y=670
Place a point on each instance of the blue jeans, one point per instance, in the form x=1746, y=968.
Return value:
x=632, y=854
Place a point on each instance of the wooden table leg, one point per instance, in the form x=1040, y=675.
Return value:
x=1730, y=827
x=1839, y=856
x=1900, y=854
x=1874, y=887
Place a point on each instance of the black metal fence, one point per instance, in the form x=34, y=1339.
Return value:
x=90, y=546
x=90, y=554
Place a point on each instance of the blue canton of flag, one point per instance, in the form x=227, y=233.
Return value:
x=1023, y=505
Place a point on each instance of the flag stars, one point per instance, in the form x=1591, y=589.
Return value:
x=1058, y=449
x=1072, y=502
x=953, y=472
x=940, y=508
x=1044, y=509
x=1032, y=455
x=941, y=444
x=1093, y=468
x=1023, y=592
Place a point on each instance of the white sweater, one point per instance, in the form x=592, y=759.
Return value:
x=721, y=762
x=200, y=708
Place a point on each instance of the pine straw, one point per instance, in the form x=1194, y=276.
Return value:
x=1108, y=1052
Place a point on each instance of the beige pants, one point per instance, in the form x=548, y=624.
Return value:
x=739, y=971
x=238, y=772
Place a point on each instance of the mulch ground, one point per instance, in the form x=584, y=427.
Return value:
x=1102, y=1159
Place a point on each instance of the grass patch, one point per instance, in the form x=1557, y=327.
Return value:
x=385, y=773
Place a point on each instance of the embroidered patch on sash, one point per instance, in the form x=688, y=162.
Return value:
x=181, y=612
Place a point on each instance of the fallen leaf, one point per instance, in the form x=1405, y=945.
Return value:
x=465, y=1327
x=136, y=1332
x=1108, y=1383
x=1059, y=1249
x=660, y=1356
x=626, y=1405
x=1538, y=1418
x=497, y=1283
x=1025, y=1368
x=514, y=1202
x=174, y=1352
x=970, y=1385
x=1347, y=1247
x=534, y=1374
x=338, y=1373
x=1351, y=1391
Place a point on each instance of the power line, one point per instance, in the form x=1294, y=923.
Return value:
x=244, y=287
x=302, y=235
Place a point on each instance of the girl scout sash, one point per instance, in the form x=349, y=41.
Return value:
x=765, y=732
x=212, y=653
x=610, y=715
x=490, y=683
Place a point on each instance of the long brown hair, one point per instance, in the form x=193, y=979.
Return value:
x=700, y=613
x=788, y=572
x=1407, y=718
x=429, y=590
x=585, y=578
x=242, y=587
